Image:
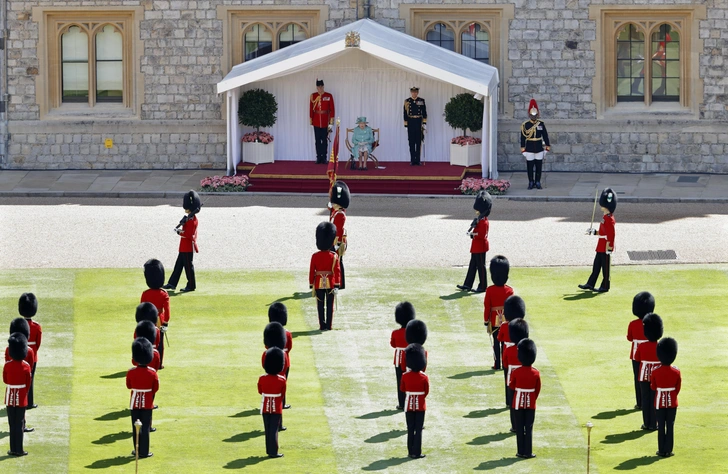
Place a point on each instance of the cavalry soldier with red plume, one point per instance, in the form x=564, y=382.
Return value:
x=533, y=138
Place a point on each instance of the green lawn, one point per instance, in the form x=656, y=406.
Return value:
x=342, y=385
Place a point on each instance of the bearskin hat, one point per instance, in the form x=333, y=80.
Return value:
x=142, y=351
x=527, y=352
x=652, y=324
x=147, y=330
x=415, y=356
x=17, y=346
x=147, y=312
x=325, y=235
x=483, y=203
x=415, y=332
x=274, y=335
x=608, y=199
x=275, y=361
x=404, y=312
x=277, y=312
x=667, y=350
x=642, y=304
x=499, y=268
x=340, y=194
x=191, y=201
x=27, y=305
x=514, y=307
x=20, y=325
x=517, y=330
x=154, y=273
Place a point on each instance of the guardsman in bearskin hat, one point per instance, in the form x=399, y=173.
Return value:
x=533, y=138
x=148, y=312
x=278, y=313
x=28, y=307
x=322, y=112
x=416, y=386
x=274, y=335
x=646, y=354
x=479, y=245
x=340, y=200
x=21, y=326
x=154, y=275
x=510, y=360
x=149, y=331
x=513, y=308
x=415, y=121
x=143, y=382
x=643, y=303
x=324, y=276
x=665, y=381
x=415, y=333
x=17, y=375
x=526, y=385
x=605, y=245
x=404, y=312
x=191, y=203
x=272, y=388
x=495, y=297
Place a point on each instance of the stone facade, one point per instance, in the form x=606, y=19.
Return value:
x=551, y=47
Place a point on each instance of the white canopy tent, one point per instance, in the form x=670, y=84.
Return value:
x=370, y=80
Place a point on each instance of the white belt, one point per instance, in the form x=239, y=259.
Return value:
x=16, y=386
x=272, y=395
x=643, y=370
x=509, y=344
x=511, y=368
x=666, y=393
x=31, y=343
x=519, y=394
x=635, y=343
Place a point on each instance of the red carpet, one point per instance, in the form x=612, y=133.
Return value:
x=389, y=178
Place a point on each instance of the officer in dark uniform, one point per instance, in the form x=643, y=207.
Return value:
x=415, y=121
x=534, y=144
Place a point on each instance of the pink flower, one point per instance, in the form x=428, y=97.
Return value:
x=224, y=183
x=261, y=137
x=463, y=140
x=493, y=186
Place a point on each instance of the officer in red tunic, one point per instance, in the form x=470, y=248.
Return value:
x=272, y=388
x=324, y=275
x=278, y=313
x=148, y=312
x=479, y=246
x=404, y=312
x=340, y=200
x=17, y=376
x=416, y=386
x=188, y=243
x=511, y=361
x=605, y=245
x=495, y=297
x=665, y=381
x=322, y=113
x=526, y=385
x=28, y=307
x=143, y=382
x=154, y=276
x=642, y=304
x=647, y=356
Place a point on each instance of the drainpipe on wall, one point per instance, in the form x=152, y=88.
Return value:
x=367, y=9
x=357, y=10
x=4, y=160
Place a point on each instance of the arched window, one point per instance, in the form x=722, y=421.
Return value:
x=665, y=49
x=475, y=42
x=258, y=41
x=290, y=34
x=109, y=65
x=442, y=36
x=630, y=64
x=74, y=65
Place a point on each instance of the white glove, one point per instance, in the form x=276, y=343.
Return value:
x=330, y=127
x=591, y=231
x=336, y=291
x=609, y=252
x=424, y=127
x=179, y=231
x=163, y=329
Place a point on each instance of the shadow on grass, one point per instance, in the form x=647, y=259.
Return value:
x=4, y=434
x=385, y=463
x=246, y=413
x=608, y=415
x=117, y=375
x=481, y=440
x=242, y=437
x=3, y=458
x=113, y=437
x=456, y=296
x=622, y=437
x=377, y=414
x=485, y=413
x=298, y=295
x=475, y=373
x=312, y=332
x=630, y=464
x=243, y=463
x=384, y=437
x=503, y=462
x=114, y=415
x=111, y=462
x=3, y=411
x=585, y=295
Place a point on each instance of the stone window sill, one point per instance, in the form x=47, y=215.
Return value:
x=84, y=112
x=639, y=111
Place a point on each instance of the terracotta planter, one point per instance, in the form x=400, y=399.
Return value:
x=468, y=155
x=257, y=153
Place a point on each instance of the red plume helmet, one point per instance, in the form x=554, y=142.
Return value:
x=533, y=109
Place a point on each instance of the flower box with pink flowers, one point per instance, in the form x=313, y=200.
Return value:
x=257, y=148
x=224, y=184
x=465, y=151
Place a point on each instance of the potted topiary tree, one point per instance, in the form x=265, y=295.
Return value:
x=257, y=108
x=465, y=112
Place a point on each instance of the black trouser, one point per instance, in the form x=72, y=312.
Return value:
x=529, y=170
x=602, y=262
x=477, y=264
x=184, y=260
x=145, y=416
x=414, y=136
x=415, y=422
x=637, y=390
x=400, y=395
x=284, y=397
x=271, y=423
x=648, y=406
x=30, y=390
x=524, y=430
x=16, y=420
x=496, y=348
x=161, y=347
x=509, y=392
x=325, y=296
x=665, y=425
x=321, y=135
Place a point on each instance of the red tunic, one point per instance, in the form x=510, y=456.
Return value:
x=144, y=384
x=416, y=385
x=403, y=363
x=289, y=342
x=325, y=271
x=273, y=389
x=338, y=218
x=646, y=354
x=154, y=364
x=286, y=364
x=321, y=109
x=188, y=236
x=635, y=334
x=160, y=299
x=495, y=298
x=510, y=362
x=606, y=227
x=36, y=335
x=526, y=384
x=17, y=376
x=504, y=335
x=399, y=342
x=665, y=382
x=480, y=244
x=30, y=358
